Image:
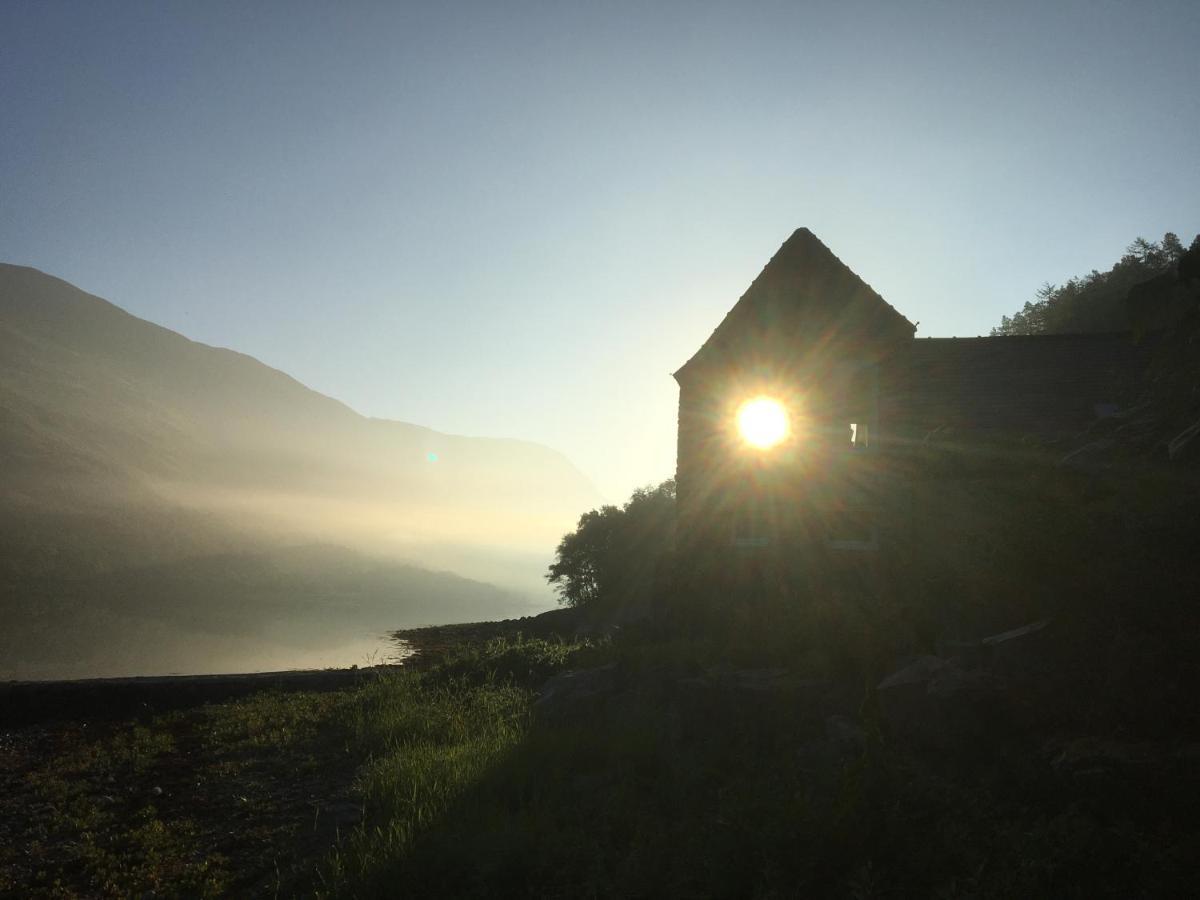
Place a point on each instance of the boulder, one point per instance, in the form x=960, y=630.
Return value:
x=937, y=704
x=905, y=704
x=1022, y=657
x=845, y=735
x=1185, y=443
x=576, y=692
x=844, y=740
x=1089, y=454
x=756, y=681
x=914, y=676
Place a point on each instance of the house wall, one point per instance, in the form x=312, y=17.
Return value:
x=1047, y=386
x=797, y=491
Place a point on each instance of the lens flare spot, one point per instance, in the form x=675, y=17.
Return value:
x=762, y=422
x=431, y=457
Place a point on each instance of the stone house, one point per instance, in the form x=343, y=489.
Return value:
x=799, y=415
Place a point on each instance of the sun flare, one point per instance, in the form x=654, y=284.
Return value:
x=762, y=422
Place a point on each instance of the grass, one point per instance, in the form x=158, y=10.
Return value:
x=241, y=797
x=429, y=744
x=202, y=802
x=449, y=782
x=677, y=784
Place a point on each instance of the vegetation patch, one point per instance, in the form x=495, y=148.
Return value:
x=209, y=801
x=660, y=767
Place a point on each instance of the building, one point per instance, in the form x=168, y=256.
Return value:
x=800, y=416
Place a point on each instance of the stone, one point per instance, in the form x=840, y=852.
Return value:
x=955, y=684
x=1013, y=634
x=758, y=680
x=1022, y=657
x=844, y=740
x=904, y=701
x=845, y=735
x=1087, y=455
x=343, y=813
x=576, y=691
x=916, y=673
x=937, y=704
x=1184, y=443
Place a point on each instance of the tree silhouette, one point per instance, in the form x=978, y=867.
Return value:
x=1096, y=301
x=610, y=558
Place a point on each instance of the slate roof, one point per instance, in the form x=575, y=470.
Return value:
x=1045, y=385
x=804, y=291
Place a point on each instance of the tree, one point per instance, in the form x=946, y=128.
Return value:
x=611, y=557
x=1096, y=301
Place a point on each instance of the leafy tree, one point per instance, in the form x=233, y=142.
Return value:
x=610, y=559
x=1096, y=301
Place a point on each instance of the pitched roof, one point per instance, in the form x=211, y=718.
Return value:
x=804, y=291
x=1044, y=385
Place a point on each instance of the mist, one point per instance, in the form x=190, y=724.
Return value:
x=174, y=507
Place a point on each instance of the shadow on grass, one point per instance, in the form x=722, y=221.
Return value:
x=674, y=784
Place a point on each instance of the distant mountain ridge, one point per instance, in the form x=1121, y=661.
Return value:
x=100, y=409
x=231, y=612
x=170, y=506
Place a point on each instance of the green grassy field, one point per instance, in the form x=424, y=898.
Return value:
x=685, y=778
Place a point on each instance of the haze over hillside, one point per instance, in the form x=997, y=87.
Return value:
x=125, y=445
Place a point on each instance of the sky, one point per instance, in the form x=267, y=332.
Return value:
x=518, y=219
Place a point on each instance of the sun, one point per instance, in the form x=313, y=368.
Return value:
x=762, y=422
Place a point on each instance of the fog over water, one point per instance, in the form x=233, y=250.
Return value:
x=173, y=507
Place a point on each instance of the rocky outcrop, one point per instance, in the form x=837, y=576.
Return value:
x=720, y=690
x=961, y=701
x=576, y=693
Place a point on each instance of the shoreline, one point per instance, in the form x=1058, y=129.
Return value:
x=34, y=702
x=24, y=702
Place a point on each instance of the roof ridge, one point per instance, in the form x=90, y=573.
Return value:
x=801, y=268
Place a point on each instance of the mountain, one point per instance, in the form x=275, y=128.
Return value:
x=298, y=607
x=101, y=410
x=125, y=445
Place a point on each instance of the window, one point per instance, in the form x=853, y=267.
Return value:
x=750, y=529
x=850, y=520
x=852, y=528
x=860, y=403
x=860, y=435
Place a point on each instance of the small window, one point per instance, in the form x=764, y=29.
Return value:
x=851, y=529
x=750, y=530
x=860, y=404
x=860, y=435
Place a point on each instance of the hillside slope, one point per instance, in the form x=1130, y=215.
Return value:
x=105, y=415
x=151, y=487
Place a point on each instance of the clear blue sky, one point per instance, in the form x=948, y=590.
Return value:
x=517, y=219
